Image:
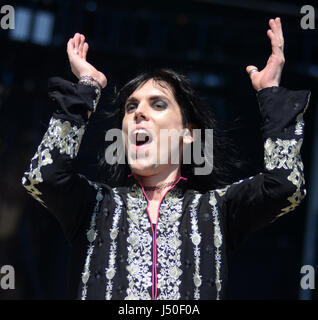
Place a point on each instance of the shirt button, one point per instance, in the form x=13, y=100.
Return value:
x=209, y=249
x=97, y=274
x=187, y=263
x=206, y=217
x=296, y=105
x=120, y=289
x=105, y=212
x=211, y=282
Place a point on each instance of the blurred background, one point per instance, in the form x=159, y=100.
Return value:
x=211, y=41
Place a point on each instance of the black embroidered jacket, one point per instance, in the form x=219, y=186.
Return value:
x=186, y=254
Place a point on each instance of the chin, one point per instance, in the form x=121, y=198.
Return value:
x=144, y=168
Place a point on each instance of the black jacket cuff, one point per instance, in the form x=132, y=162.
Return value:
x=279, y=109
x=73, y=100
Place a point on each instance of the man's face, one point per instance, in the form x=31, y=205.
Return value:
x=149, y=110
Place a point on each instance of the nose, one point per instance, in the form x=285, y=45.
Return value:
x=141, y=112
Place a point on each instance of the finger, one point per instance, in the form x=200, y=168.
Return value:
x=250, y=72
x=279, y=26
x=276, y=28
x=70, y=46
x=273, y=26
x=277, y=43
x=274, y=33
x=85, y=49
x=281, y=35
x=77, y=41
x=270, y=34
x=274, y=41
x=279, y=30
x=72, y=43
x=82, y=40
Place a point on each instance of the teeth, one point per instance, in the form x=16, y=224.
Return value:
x=140, y=131
x=141, y=136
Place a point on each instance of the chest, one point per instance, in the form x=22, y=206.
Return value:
x=181, y=258
x=153, y=210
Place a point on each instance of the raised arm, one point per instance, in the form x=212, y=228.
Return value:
x=255, y=202
x=51, y=179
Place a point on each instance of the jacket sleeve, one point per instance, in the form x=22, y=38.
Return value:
x=50, y=178
x=259, y=200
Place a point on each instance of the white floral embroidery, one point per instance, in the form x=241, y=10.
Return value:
x=222, y=191
x=32, y=190
x=300, y=119
x=139, y=260
x=196, y=239
x=95, y=102
x=281, y=153
x=299, y=125
x=297, y=178
x=91, y=236
x=286, y=154
x=217, y=243
x=64, y=137
x=111, y=270
x=60, y=135
x=169, y=246
x=297, y=175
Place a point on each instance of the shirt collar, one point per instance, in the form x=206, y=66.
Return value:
x=134, y=178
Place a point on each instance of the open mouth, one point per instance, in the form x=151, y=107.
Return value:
x=141, y=137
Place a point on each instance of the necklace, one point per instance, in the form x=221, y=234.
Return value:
x=160, y=186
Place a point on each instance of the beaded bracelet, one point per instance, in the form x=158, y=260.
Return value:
x=90, y=81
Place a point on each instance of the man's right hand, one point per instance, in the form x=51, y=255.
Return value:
x=77, y=50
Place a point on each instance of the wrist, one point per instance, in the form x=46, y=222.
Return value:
x=273, y=86
x=90, y=80
x=96, y=75
x=268, y=85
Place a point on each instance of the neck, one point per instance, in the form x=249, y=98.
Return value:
x=158, y=179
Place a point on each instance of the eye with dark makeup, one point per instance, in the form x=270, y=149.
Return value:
x=130, y=106
x=158, y=104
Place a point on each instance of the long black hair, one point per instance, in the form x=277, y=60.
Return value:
x=195, y=112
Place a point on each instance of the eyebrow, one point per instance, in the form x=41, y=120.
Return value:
x=154, y=97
